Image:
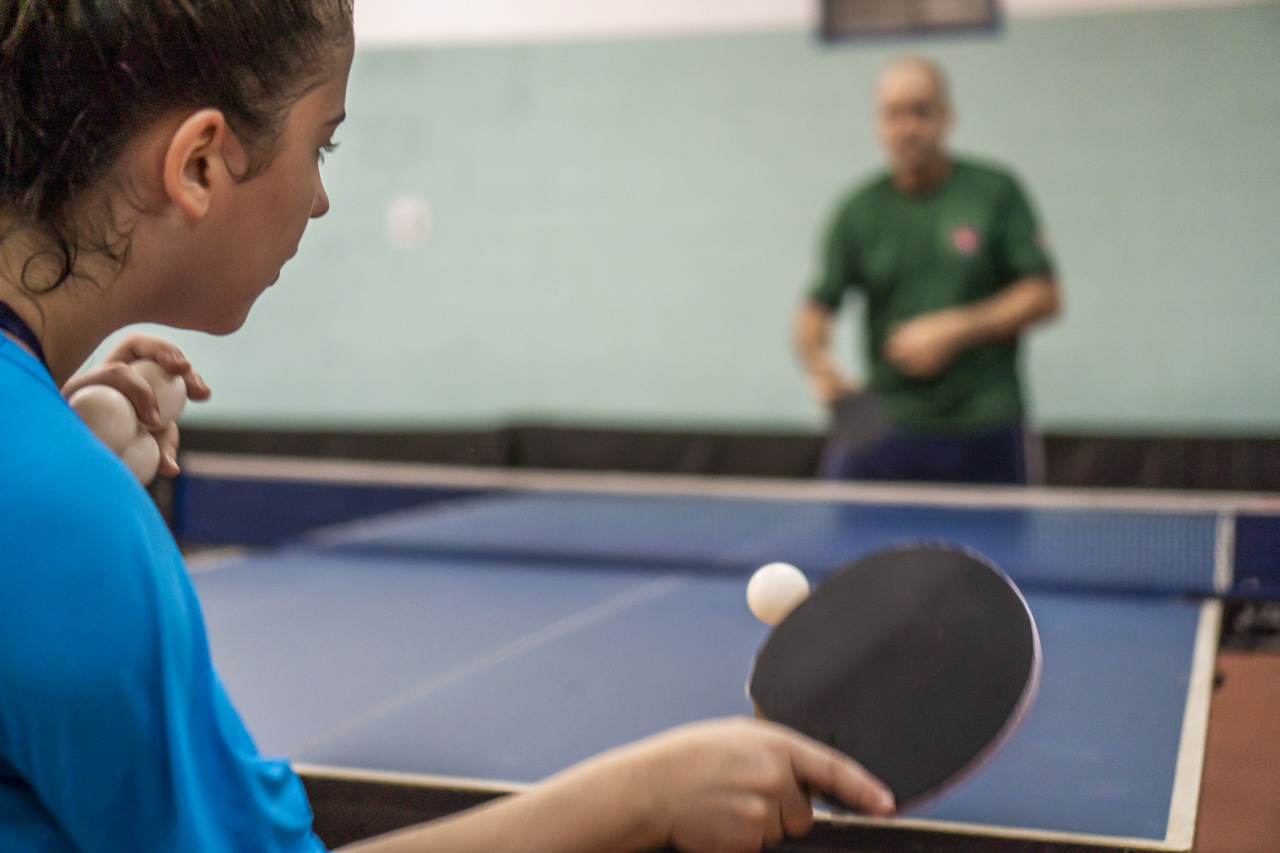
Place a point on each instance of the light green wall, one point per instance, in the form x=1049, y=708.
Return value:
x=621, y=229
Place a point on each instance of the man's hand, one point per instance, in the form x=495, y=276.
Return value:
x=811, y=334
x=116, y=372
x=829, y=384
x=923, y=346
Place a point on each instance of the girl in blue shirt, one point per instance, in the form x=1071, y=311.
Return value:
x=161, y=159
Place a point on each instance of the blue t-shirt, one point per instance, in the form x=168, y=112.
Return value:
x=115, y=731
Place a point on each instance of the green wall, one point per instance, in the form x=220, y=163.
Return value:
x=621, y=229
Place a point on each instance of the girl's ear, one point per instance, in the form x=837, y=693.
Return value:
x=195, y=163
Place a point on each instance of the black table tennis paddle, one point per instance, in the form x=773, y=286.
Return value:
x=918, y=662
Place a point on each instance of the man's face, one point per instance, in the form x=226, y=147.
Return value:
x=912, y=117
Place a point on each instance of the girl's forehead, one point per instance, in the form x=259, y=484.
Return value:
x=324, y=102
x=330, y=90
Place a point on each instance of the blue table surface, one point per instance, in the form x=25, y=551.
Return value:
x=509, y=668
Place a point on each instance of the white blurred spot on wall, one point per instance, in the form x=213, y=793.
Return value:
x=408, y=221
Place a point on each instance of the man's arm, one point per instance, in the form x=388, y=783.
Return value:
x=922, y=347
x=724, y=785
x=811, y=334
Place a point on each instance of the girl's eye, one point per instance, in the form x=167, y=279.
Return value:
x=327, y=148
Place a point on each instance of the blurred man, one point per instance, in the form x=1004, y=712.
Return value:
x=952, y=266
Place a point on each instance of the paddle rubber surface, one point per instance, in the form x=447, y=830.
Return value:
x=917, y=662
x=859, y=420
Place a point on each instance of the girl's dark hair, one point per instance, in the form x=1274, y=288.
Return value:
x=79, y=77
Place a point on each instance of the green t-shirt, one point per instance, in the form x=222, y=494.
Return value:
x=911, y=255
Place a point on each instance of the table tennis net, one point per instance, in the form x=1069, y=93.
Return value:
x=1070, y=549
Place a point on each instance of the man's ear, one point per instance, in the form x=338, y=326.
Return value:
x=195, y=163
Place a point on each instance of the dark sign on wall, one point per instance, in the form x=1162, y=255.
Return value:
x=843, y=19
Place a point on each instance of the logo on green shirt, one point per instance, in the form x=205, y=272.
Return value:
x=966, y=240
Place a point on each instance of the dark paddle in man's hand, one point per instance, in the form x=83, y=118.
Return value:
x=858, y=420
x=917, y=662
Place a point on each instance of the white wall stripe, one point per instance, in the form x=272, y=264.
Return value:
x=392, y=23
x=1053, y=8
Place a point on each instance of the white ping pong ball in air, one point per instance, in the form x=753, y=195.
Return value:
x=142, y=456
x=170, y=390
x=108, y=414
x=775, y=590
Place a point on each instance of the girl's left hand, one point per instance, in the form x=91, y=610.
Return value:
x=116, y=372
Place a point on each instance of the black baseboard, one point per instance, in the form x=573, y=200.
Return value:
x=550, y=447
x=1247, y=464
x=1080, y=460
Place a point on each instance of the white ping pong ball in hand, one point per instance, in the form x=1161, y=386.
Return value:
x=142, y=456
x=170, y=390
x=775, y=590
x=108, y=414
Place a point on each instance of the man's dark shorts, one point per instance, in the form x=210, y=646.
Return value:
x=993, y=456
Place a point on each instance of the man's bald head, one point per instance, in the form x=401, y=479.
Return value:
x=913, y=73
x=913, y=116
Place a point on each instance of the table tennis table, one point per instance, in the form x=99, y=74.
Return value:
x=464, y=633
